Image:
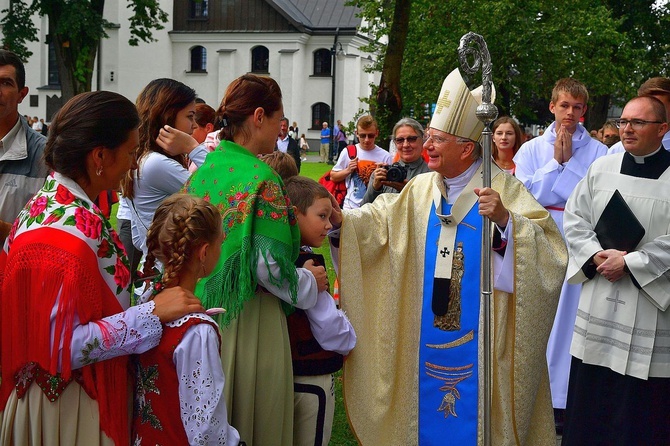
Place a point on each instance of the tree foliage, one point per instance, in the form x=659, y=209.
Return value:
x=611, y=46
x=75, y=28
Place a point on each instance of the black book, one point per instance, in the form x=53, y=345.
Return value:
x=618, y=227
x=304, y=256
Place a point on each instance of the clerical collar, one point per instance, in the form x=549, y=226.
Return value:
x=650, y=166
x=641, y=159
x=456, y=185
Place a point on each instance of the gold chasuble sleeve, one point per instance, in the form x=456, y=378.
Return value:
x=382, y=250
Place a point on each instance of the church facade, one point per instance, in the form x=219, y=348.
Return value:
x=208, y=43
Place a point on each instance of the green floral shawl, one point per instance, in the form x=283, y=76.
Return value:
x=257, y=220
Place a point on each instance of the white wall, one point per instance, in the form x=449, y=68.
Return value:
x=228, y=56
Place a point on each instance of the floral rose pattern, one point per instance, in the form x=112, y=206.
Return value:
x=104, y=249
x=89, y=224
x=268, y=202
x=121, y=273
x=117, y=242
x=63, y=195
x=38, y=206
x=56, y=206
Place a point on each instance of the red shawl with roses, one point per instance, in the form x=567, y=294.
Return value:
x=62, y=251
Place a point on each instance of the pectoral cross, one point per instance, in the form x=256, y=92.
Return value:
x=445, y=252
x=616, y=300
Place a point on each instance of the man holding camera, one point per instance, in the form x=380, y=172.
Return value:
x=390, y=179
x=410, y=266
x=356, y=172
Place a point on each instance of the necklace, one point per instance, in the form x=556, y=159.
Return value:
x=507, y=166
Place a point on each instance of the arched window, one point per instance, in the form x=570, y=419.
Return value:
x=260, y=60
x=320, y=113
x=322, y=62
x=198, y=59
x=54, y=76
x=198, y=9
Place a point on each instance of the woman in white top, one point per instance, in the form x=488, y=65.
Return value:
x=167, y=113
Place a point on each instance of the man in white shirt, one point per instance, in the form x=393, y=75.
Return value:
x=37, y=125
x=287, y=144
x=357, y=171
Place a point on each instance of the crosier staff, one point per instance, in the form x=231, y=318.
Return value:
x=473, y=46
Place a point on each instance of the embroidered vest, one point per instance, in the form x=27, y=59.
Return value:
x=156, y=418
x=309, y=359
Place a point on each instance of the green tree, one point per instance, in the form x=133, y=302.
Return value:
x=532, y=43
x=389, y=97
x=75, y=29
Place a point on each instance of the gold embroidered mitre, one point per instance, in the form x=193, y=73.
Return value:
x=456, y=106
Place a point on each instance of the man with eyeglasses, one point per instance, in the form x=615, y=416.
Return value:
x=356, y=172
x=620, y=372
x=658, y=87
x=550, y=167
x=410, y=267
x=408, y=137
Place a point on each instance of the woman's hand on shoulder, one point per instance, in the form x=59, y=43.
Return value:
x=173, y=303
x=175, y=142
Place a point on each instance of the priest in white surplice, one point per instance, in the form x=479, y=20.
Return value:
x=619, y=389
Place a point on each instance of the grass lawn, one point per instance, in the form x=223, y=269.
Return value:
x=341, y=435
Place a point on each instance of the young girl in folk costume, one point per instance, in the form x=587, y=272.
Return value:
x=65, y=327
x=256, y=273
x=179, y=384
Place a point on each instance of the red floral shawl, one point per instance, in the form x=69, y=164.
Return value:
x=61, y=250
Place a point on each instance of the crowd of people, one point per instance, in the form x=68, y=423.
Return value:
x=210, y=294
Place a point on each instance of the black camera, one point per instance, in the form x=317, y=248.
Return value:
x=396, y=172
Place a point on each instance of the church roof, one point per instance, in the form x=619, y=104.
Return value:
x=319, y=16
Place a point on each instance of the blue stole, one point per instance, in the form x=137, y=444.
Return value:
x=448, y=360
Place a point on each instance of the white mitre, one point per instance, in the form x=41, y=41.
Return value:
x=456, y=106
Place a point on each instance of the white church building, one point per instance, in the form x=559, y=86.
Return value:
x=208, y=43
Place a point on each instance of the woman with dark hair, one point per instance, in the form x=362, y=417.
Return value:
x=255, y=279
x=65, y=327
x=507, y=138
x=167, y=120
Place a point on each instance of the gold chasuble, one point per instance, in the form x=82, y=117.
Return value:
x=382, y=251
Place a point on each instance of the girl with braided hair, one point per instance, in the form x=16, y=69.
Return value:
x=183, y=374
